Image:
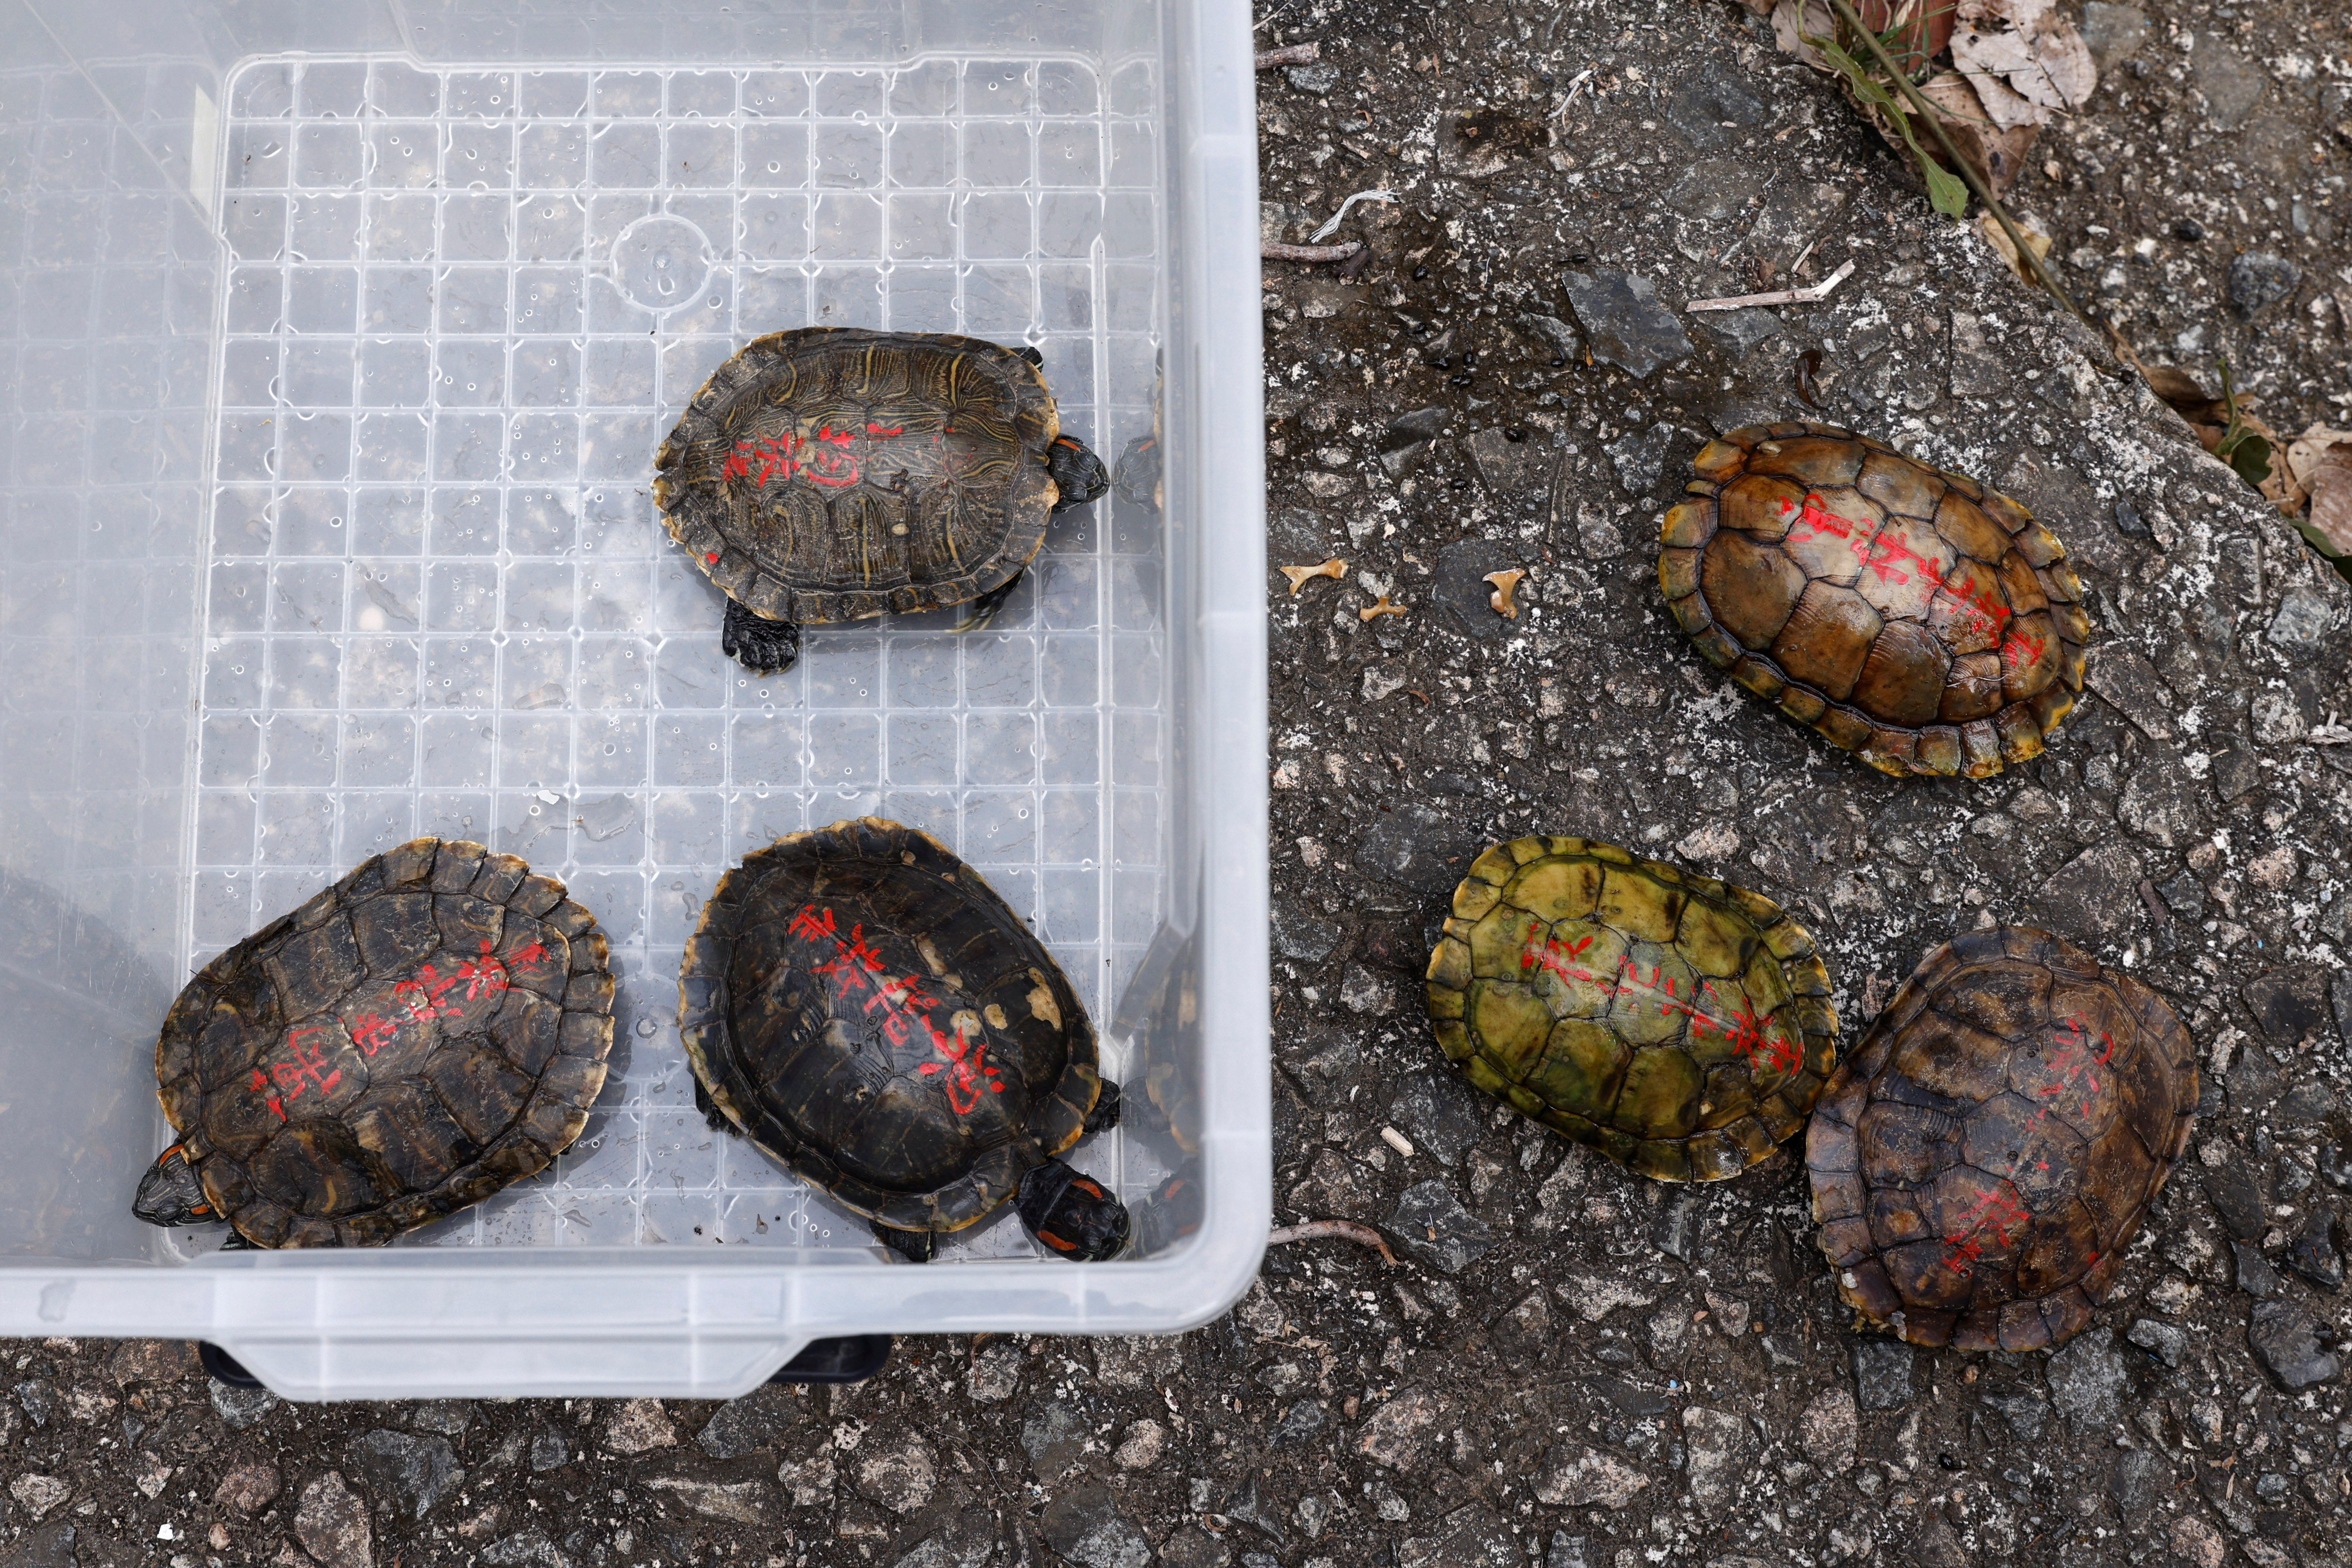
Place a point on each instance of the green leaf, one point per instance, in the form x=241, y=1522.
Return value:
x=1946, y=193
x=2251, y=456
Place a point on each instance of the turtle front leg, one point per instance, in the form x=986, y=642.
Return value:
x=914, y=1245
x=1105, y=1115
x=1078, y=473
x=756, y=643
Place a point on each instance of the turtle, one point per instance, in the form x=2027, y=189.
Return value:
x=1982, y=1162
x=1906, y=612
x=862, y=1005
x=834, y=473
x=1678, y=1024
x=429, y=1029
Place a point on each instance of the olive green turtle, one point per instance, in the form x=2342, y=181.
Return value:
x=1678, y=1024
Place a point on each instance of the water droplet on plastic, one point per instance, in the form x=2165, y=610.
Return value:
x=646, y=1028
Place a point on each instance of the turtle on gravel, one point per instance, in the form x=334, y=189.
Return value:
x=423, y=1033
x=1905, y=612
x=1980, y=1164
x=864, y=1007
x=1678, y=1024
x=834, y=473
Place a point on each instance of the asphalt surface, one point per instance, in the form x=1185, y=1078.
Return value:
x=1569, y=1365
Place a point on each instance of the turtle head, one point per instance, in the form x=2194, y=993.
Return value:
x=171, y=1193
x=1078, y=473
x=1073, y=1214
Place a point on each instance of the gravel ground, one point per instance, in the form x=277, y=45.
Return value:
x=1569, y=1366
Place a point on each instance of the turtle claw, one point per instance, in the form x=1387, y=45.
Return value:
x=1105, y=1115
x=914, y=1245
x=756, y=643
x=984, y=608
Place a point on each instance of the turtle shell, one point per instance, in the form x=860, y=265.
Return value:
x=426, y=1031
x=1906, y=612
x=1679, y=1024
x=833, y=473
x=864, y=1008
x=1980, y=1164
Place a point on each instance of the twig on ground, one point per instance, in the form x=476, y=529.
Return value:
x=1290, y=55
x=1340, y=1229
x=1808, y=296
x=1274, y=250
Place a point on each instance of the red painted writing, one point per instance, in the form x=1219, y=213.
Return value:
x=1742, y=1031
x=292, y=1079
x=2073, y=1068
x=1984, y=613
x=857, y=971
x=827, y=457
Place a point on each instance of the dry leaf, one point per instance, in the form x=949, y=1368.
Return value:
x=2024, y=45
x=1998, y=156
x=2331, y=506
x=1794, y=21
x=2318, y=447
x=1997, y=238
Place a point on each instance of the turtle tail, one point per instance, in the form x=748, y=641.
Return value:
x=171, y=1193
x=1078, y=473
x=1073, y=1214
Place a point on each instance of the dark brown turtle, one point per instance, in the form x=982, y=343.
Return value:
x=1982, y=1163
x=1679, y=1024
x=834, y=473
x=1906, y=612
x=429, y=1029
x=862, y=1006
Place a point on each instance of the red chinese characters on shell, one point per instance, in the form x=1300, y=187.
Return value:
x=827, y=457
x=1893, y=562
x=1743, y=1031
x=2075, y=1069
x=904, y=1005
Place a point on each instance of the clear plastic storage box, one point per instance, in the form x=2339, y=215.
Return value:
x=336, y=343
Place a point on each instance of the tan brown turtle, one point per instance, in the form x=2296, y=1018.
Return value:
x=1678, y=1024
x=1904, y=611
x=1982, y=1162
x=834, y=473
x=429, y=1029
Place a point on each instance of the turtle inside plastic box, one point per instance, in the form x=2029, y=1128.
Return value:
x=341, y=340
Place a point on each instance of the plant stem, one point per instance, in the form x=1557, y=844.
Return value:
x=1926, y=112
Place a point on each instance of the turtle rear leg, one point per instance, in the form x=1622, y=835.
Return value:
x=1105, y=1115
x=1071, y=1214
x=983, y=609
x=756, y=643
x=1078, y=473
x=718, y=1119
x=171, y=1193
x=914, y=1245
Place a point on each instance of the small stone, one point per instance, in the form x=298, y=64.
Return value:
x=2303, y=620
x=2257, y=1278
x=1243, y=1504
x=2096, y=893
x=1367, y=992
x=1147, y=1440
x=1416, y=846
x=638, y=1427
x=410, y=1472
x=1557, y=334
x=899, y=1476
x=1522, y=1336
x=2139, y=1476
x=1574, y=1476
x=1730, y=1314
x=2168, y=1342
x=1318, y=79
x=1740, y=331
x=1473, y=1536
x=2086, y=1381
x=1466, y=599
x=1625, y=323
x=152, y=1360
x=249, y=1486
x=525, y=1549
x=752, y=1423
x=1882, y=1374
x=2113, y=32
x=37, y=1398
x=1713, y=108
x=1053, y=1437
x=734, y=1502
x=1442, y=1114
x=2129, y=521
x=448, y=1417
x=2198, y=1542
x=2285, y=1339
x=332, y=1525
x=1298, y=1424
x=1934, y=1545
x=548, y=1452
x=1567, y=1551
x=1084, y=1526
x=1508, y=466
x=1432, y=1225
x=2313, y=1254
x=2232, y=87
x=2024, y=1409
x=1393, y=1434
x=1830, y=1428
x=1640, y=458
x=2185, y=896
x=2260, y=279
x=2236, y=1199
x=995, y=1374
x=1193, y=1547
x=1681, y=1228
x=1722, y=1449
x=240, y=1407
x=37, y=1493
x=2277, y=718
x=2290, y=1004
x=1300, y=937
x=808, y=1482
